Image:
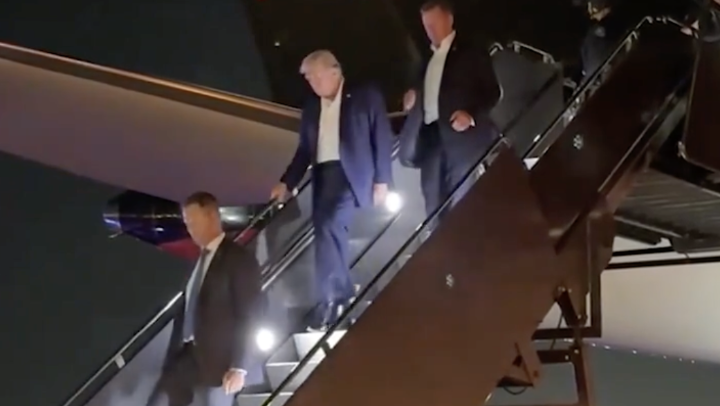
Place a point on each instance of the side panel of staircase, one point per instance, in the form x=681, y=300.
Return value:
x=132, y=383
x=532, y=95
x=701, y=141
x=607, y=135
x=443, y=331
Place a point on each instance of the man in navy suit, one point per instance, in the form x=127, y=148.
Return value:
x=345, y=135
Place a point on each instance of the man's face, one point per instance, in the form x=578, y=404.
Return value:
x=324, y=81
x=201, y=222
x=596, y=12
x=438, y=24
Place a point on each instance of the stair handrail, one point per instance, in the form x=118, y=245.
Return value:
x=517, y=46
x=270, y=210
x=431, y=220
x=597, y=78
x=494, y=48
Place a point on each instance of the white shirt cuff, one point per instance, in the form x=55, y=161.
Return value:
x=242, y=371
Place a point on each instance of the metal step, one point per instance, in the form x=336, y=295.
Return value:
x=304, y=342
x=287, y=358
x=277, y=373
x=259, y=398
x=284, y=361
x=675, y=207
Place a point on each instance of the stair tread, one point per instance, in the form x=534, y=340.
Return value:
x=265, y=394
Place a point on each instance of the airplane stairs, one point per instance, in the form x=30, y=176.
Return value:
x=455, y=314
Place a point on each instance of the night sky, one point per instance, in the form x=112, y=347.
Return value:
x=70, y=296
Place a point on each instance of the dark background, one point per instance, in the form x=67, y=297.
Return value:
x=254, y=47
x=70, y=296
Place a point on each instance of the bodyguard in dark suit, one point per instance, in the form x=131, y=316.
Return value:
x=214, y=333
x=448, y=126
x=608, y=26
x=704, y=18
x=345, y=135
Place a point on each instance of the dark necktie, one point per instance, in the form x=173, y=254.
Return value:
x=193, y=293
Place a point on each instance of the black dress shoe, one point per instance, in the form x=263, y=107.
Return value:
x=342, y=307
x=324, y=316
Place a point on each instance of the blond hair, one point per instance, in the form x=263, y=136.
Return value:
x=320, y=58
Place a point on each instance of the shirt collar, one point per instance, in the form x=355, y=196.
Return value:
x=337, y=97
x=444, y=44
x=214, y=244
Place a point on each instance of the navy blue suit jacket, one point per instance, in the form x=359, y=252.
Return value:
x=365, y=142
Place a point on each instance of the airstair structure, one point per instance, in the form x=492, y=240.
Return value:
x=700, y=144
x=449, y=307
x=453, y=316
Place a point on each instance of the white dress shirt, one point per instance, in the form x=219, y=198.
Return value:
x=433, y=77
x=328, y=147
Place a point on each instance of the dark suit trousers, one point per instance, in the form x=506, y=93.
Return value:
x=181, y=384
x=333, y=208
x=440, y=172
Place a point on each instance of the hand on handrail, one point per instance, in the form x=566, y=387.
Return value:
x=269, y=211
x=279, y=193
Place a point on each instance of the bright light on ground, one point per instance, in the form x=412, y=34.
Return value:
x=265, y=339
x=393, y=202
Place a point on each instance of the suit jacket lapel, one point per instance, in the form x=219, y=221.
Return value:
x=423, y=72
x=215, y=264
x=449, y=61
x=313, y=125
x=345, y=113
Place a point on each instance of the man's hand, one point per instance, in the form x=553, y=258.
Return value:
x=461, y=121
x=380, y=191
x=409, y=100
x=279, y=193
x=233, y=381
